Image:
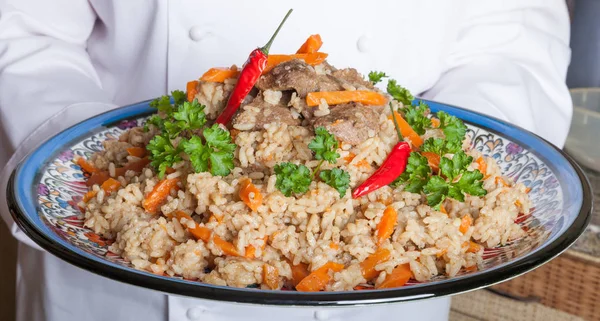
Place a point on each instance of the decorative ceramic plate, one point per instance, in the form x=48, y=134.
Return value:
x=45, y=189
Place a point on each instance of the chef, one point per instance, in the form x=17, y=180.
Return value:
x=64, y=61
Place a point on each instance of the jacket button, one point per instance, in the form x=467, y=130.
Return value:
x=195, y=313
x=198, y=33
x=321, y=315
x=364, y=43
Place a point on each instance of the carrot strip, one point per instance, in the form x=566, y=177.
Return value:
x=110, y=185
x=312, y=59
x=136, y=151
x=199, y=232
x=270, y=276
x=227, y=247
x=465, y=223
x=482, y=166
x=333, y=245
x=527, y=190
x=318, y=279
x=433, y=160
x=159, y=194
x=220, y=74
x=471, y=268
x=399, y=276
x=443, y=209
x=386, y=226
x=350, y=157
x=299, y=272
x=367, y=266
x=87, y=167
x=250, y=194
x=101, y=176
x=501, y=180
x=407, y=131
x=341, y=97
x=88, y=196
x=191, y=89
x=250, y=252
x=435, y=123
x=473, y=247
x=311, y=45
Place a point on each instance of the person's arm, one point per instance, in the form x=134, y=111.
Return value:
x=510, y=60
x=47, y=81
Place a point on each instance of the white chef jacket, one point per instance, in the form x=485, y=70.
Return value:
x=63, y=61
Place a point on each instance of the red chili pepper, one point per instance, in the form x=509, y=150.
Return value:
x=393, y=166
x=252, y=70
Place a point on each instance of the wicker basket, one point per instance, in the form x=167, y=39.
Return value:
x=569, y=283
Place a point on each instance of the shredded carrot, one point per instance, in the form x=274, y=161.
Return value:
x=250, y=252
x=350, y=157
x=435, y=123
x=334, y=246
x=518, y=203
x=407, y=131
x=342, y=97
x=220, y=74
x=110, y=185
x=471, y=268
x=443, y=209
x=312, y=59
x=465, y=223
x=367, y=266
x=199, y=232
x=441, y=253
x=318, y=279
x=299, y=272
x=527, y=190
x=270, y=277
x=311, y=45
x=215, y=218
x=101, y=176
x=136, y=151
x=386, y=226
x=227, y=247
x=482, y=166
x=433, y=160
x=362, y=287
x=473, y=247
x=159, y=194
x=399, y=276
x=501, y=180
x=86, y=167
x=363, y=163
x=88, y=196
x=192, y=90
x=250, y=194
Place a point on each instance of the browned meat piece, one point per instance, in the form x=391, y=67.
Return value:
x=297, y=75
x=258, y=113
x=294, y=74
x=352, y=77
x=350, y=123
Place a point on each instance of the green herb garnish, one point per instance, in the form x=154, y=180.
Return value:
x=163, y=154
x=292, y=178
x=376, y=77
x=399, y=93
x=416, y=116
x=336, y=178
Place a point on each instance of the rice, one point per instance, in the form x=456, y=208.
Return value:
x=184, y=238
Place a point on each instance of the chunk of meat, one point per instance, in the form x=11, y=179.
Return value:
x=351, y=123
x=298, y=76
x=351, y=77
x=294, y=74
x=258, y=113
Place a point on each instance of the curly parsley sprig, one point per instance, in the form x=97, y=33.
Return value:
x=212, y=151
x=296, y=179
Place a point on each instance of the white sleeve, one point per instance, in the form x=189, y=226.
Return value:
x=47, y=81
x=510, y=60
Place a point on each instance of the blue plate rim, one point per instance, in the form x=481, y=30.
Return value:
x=252, y=296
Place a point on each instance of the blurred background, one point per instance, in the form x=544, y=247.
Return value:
x=564, y=289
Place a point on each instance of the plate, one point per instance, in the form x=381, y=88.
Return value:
x=45, y=188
